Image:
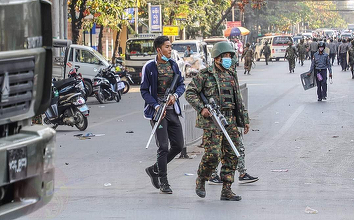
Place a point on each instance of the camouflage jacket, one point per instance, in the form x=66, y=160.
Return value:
x=208, y=82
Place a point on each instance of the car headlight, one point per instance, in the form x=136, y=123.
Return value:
x=48, y=156
x=130, y=69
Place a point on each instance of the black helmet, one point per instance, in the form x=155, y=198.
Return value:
x=321, y=44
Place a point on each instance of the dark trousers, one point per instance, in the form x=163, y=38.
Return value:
x=312, y=53
x=338, y=59
x=169, y=130
x=343, y=60
x=321, y=85
x=266, y=58
x=331, y=57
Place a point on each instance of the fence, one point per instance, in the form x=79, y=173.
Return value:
x=192, y=134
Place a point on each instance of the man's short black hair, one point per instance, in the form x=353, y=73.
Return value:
x=159, y=41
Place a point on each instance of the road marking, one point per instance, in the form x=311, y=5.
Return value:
x=289, y=122
x=274, y=101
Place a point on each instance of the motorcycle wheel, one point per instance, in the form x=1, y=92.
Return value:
x=118, y=97
x=83, y=122
x=100, y=97
x=126, y=88
x=45, y=121
x=88, y=88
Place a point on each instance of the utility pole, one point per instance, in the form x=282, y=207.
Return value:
x=56, y=19
x=65, y=18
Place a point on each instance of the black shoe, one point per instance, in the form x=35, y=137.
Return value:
x=200, y=187
x=183, y=156
x=227, y=194
x=319, y=100
x=325, y=98
x=214, y=179
x=247, y=179
x=164, y=186
x=153, y=176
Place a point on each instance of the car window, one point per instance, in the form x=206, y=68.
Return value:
x=71, y=55
x=141, y=46
x=183, y=47
x=281, y=40
x=84, y=56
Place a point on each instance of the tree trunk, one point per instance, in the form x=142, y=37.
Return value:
x=100, y=36
x=76, y=23
x=227, y=12
x=116, y=44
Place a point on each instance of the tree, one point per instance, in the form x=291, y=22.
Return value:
x=77, y=7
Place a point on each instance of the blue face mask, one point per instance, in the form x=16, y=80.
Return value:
x=164, y=58
x=226, y=62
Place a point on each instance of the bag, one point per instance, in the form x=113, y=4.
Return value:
x=319, y=77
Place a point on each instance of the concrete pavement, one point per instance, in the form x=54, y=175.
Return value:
x=311, y=142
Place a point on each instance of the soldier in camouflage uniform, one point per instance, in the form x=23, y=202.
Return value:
x=290, y=55
x=301, y=48
x=219, y=81
x=248, y=55
x=37, y=120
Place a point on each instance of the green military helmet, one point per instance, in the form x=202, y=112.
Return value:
x=222, y=47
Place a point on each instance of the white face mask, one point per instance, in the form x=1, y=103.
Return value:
x=321, y=49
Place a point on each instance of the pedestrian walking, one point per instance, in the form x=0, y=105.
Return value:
x=301, y=48
x=266, y=51
x=351, y=58
x=219, y=81
x=248, y=55
x=332, y=51
x=343, y=50
x=313, y=47
x=157, y=76
x=338, y=56
x=319, y=65
x=290, y=55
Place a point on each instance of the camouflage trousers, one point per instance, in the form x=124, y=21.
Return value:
x=248, y=63
x=291, y=61
x=217, y=149
x=37, y=119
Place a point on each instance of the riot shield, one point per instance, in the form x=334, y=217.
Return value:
x=307, y=81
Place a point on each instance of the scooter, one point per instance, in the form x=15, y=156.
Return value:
x=125, y=77
x=67, y=106
x=107, y=86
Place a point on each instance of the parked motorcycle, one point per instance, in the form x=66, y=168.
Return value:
x=125, y=77
x=107, y=86
x=74, y=73
x=67, y=107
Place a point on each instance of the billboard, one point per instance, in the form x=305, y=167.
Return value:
x=155, y=18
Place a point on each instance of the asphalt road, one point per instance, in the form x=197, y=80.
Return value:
x=311, y=142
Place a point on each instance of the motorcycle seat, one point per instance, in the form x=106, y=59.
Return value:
x=65, y=82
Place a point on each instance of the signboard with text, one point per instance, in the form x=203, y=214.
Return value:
x=231, y=24
x=170, y=31
x=155, y=18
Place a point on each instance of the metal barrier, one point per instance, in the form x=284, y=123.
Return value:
x=192, y=134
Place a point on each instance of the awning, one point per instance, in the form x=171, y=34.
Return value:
x=236, y=31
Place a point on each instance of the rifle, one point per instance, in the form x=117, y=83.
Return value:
x=219, y=120
x=160, y=113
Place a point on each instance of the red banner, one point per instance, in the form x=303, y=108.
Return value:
x=231, y=24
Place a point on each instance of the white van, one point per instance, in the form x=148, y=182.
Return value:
x=278, y=45
x=68, y=56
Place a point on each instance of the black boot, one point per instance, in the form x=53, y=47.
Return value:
x=200, y=187
x=164, y=186
x=153, y=174
x=245, y=72
x=227, y=194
